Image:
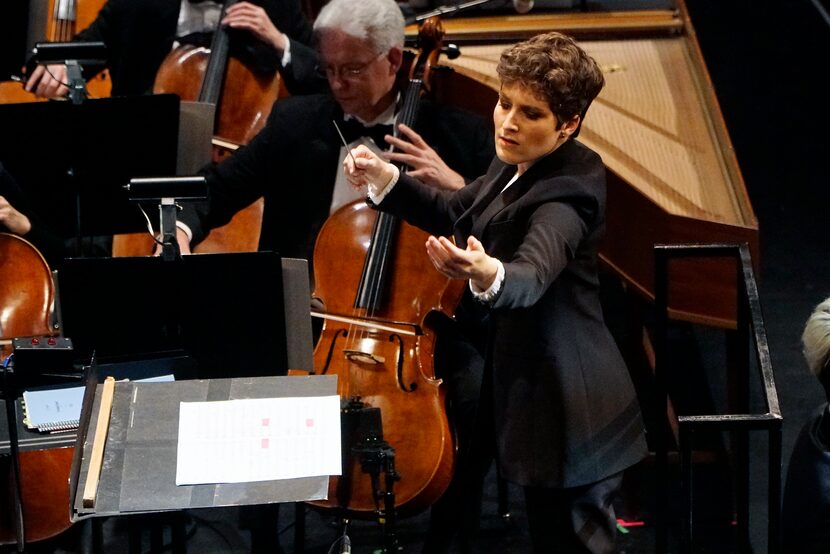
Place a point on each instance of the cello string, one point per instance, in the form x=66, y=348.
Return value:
x=373, y=285
x=406, y=115
x=350, y=342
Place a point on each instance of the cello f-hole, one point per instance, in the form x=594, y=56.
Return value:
x=326, y=366
x=412, y=386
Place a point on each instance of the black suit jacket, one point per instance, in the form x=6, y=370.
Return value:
x=805, y=515
x=140, y=33
x=565, y=410
x=293, y=162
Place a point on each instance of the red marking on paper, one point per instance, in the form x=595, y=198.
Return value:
x=265, y=421
x=309, y=422
x=264, y=444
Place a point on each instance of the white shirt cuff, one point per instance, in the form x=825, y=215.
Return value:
x=286, y=54
x=378, y=193
x=488, y=295
x=187, y=231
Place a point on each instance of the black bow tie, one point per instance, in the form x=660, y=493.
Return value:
x=354, y=129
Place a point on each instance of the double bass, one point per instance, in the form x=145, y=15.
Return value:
x=382, y=298
x=243, y=99
x=60, y=21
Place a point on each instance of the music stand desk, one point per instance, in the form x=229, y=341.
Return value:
x=138, y=473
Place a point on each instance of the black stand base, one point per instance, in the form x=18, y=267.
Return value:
x=363, y=435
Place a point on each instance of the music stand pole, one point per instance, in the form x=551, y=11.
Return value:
x=77, y=94
x=10, y=399
x=169, y=244
x=77, y=84
x=168, y=191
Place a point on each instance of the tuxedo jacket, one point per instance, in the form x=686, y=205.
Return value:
x=140, y=33
x=564, y=409
x=293, y=162
x=805, y=515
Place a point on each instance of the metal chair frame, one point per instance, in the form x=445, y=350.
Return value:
x=751, y=339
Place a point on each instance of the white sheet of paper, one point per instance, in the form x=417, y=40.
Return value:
x=239, y=441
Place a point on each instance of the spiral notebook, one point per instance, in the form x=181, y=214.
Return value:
x=52, y=410
x=59, y=409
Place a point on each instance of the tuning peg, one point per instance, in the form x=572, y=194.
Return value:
x=451, y=51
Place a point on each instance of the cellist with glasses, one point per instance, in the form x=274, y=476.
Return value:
x=294, y=162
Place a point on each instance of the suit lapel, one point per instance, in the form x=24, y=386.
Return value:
x=481, y=221
x=500, y=200
x=489, y=192
x=493, y=203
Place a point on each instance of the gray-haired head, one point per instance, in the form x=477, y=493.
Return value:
x=816, y=338
x=378, y=21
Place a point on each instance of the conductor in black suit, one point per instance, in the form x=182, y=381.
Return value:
x=563, y=413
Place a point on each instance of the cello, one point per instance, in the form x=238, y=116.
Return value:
x=378, y=337
x=27, y=296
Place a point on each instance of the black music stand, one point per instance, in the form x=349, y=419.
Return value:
x=227, y=311
x=133, y=482
x=73, y=55
x=73, y=161
x=168, y=192
x=139, y=469
x=127, y=357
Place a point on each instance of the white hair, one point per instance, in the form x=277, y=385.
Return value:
x=378, y=21
x=816, y=338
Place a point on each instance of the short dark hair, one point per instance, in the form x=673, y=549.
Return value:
x=555, y=68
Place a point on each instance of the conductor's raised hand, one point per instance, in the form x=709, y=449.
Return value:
x=426, y=164
x=471, y=263
x=363, y=167
x=254, y=19
x=48, y=81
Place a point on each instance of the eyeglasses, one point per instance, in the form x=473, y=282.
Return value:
x=349, y=71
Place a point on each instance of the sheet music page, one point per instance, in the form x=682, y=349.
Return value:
x=239, y=441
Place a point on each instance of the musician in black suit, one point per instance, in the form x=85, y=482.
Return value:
x=564, y=417
x=268, y=35
x=294, y=162
x=806, y=507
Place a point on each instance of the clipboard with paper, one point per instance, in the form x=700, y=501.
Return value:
x=140, y=457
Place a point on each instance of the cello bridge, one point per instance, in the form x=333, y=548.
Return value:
x=363, y=357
